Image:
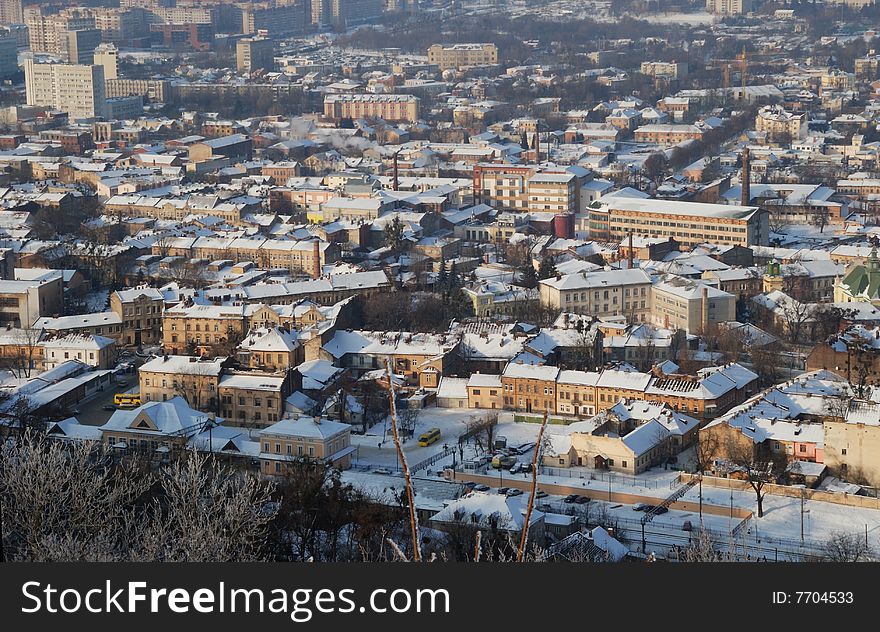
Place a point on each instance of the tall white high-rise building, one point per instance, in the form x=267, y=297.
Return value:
x=75, y=89
x=107, y=56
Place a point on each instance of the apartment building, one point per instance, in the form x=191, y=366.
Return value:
x=22, y=303
x=270, y=349
x=692, y=306
x=851, y=446
x=690, y=223
x=234, y=146
x=96, y=351
x=484, y=390
x=254, y=53
x=255, y=400
x=711, y=392
x=553, y=192
x=389, y=107
x=778, y=123
x=197, y=380
x=868, y=67
x=141, y=312
x=859, y=188
x=729, y=7
x=601, y=293
x=671, y=69
x=122, y=26
x=8, y=57
x=107, y=56
x=157, y=90
x=347, y=13
x=75, y=89
x=185, y=36
x=523, y=187
x=204, y=329
x=305, y=438
x=11, y=12
x=667, y=134
x=576, y=392
x=49, y=33
x=421, y=358
x=107, y=324
x=296, y=256
x=276, y=19
x=529, y=388
x=457, y=56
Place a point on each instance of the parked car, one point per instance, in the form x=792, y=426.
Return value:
x=660, y=510
x=571, y=498
x=382, y=470
x=470, y=485
x=582, y=500
x=503, y=490
x=480, y=487
x=514, y=492
x=541, y=494
x=503, y=462
x=640, y=507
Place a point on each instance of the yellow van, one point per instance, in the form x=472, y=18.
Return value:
x=127, y=400
x=429, y=437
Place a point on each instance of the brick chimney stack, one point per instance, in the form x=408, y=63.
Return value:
x=316, y=259
x=746, y=179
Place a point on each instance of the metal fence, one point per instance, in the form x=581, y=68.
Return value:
x=421, y=465
x=607, y=477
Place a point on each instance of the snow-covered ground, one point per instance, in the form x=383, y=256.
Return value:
x=452, y=422
x=780, y=525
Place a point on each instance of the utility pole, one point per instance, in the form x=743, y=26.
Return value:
x=802, y=516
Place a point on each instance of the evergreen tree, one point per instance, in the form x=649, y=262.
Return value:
x=524, y=141
x=454, y=282
x=442, y=278
x=528, y=276
x=547, y=268
x=394, y=235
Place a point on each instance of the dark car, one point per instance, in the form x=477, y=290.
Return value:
x=660, y=510
x=571, y=498
x=470, y=485
x=503, y=490
x=541, y=494
x=480, y=487
x=581, y=500
x=640, y=507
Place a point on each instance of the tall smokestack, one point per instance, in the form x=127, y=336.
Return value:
x=704, y=305
x=631, y=251
x=746, y=198
x=316, y=259
x=396, y=183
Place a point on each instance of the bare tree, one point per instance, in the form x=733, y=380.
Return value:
x=410, y=493
x=72, y=502
x=842, y=547
x=27, y=339
x=700, y=548
x=758, y=464
x=53, y=492
x=482, y=430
